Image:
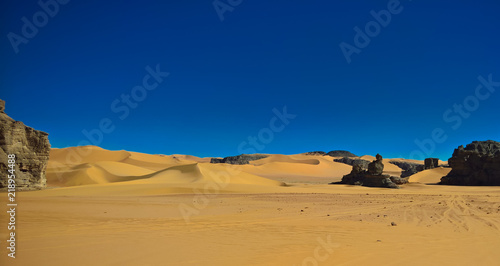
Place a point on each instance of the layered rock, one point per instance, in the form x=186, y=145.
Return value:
x=240, y=159
x=31, y=148
x=372, y=177
x=478, y=164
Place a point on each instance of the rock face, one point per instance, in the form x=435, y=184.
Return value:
x=408, y=168
x=31, y=148
x=350, y=161
x=240, y=159
x=431, y=163
x=373, y=177
x=478, y=164
x=341, y=153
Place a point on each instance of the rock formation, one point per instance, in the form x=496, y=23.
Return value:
x=322, y=153
x=408, y=168
x=31, y=148
x=350, y=161
x=431, y=163
x=240, y=159
x=373, y=177
x=478, y=164
x=216, y=160
x=341, y=153
x=376, y=167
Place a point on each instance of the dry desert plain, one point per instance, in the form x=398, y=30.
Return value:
x=127, y=208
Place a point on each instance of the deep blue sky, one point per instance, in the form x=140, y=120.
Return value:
x=227, y=76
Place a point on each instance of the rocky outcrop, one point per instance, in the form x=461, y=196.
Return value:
x=31, y=149
x=408, y=168
x=351, y=161
x=376, y=167
x=240, y=159
x=478, y=164
x=341, y=153
x=431, y=163
x=372, y=177
x=322, y=153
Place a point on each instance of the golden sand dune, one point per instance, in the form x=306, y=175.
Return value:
x=192, y=158
x=144, y=172
x=287, y=172
x=93, y=173
x=86, y=154
x=431, y=176
x=285, y=159
x=93, y=165
x=367, y=158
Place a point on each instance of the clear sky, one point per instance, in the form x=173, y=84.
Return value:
x=411, y=88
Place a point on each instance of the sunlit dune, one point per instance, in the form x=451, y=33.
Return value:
x=431, y=176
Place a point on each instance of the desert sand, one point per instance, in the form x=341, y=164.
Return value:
x=127, y=208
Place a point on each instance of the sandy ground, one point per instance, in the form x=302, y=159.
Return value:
x=123, y=208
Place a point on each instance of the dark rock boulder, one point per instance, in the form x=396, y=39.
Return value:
x=352, y=162
x=431, y=163
x=478, y=164
x=240, y=159
x=373, y=177
x=341, y=153
x=376, y=167
x=31, y=149
x=408, y=168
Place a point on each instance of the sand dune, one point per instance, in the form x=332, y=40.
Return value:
x=431, y=176
x=141, y=171
x=274, y=158
x=93, y=165
x=94, y=173
x=86, y=154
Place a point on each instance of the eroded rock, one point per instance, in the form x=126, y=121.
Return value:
x=478, y=164
x=372, y=177
x=240, y=159
x=31, y=149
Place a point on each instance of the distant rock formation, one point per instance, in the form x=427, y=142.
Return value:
x=408, y=168
x=216, y=160
x=351, y=161
x=373, y=177
x=240, y=159
x=431, y=163
x=31, y=148
x=322, y=153
x=341, y=153
x=376, y=167
x=478, y=164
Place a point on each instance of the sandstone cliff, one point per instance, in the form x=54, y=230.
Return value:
x=31, y=148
